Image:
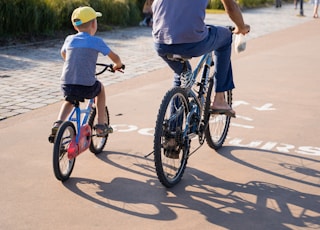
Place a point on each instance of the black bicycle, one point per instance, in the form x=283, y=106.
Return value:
x=185, y=114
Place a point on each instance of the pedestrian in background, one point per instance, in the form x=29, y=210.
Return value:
x=147, y=12
x=315, y=8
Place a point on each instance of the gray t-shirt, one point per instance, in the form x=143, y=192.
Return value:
x=82, y=51
x=179, y=21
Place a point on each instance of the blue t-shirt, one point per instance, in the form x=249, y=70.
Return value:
x=82, y=51
x=179, y=21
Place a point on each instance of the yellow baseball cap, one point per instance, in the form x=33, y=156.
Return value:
x=84, y=14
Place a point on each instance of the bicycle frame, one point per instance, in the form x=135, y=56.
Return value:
x=77, y=111
x=206, y=60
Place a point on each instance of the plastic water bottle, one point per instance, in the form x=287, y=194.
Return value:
x=240, y=43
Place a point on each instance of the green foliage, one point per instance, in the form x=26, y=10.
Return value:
x=63, y=11
x=34, y=17
x=25, y=16
x=215, y=4
x=254, y=3
x=38, y=17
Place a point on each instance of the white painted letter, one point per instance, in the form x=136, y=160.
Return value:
x=309, y=150
x=146, y=131
x=130, y=128
x=252, y=144
x=285, y=148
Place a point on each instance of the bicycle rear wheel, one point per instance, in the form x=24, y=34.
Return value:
x=62, y=165
x=170, y=149
x=97, y=142
x=218, y=124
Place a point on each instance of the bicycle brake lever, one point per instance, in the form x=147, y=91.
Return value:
x=121, y=68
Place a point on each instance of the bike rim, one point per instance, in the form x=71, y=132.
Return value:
x=65, y=164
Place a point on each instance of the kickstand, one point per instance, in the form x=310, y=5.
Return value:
x=146, y=156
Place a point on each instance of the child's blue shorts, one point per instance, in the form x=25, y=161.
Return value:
x=86, y=92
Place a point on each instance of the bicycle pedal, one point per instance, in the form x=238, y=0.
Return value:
x=104, y=134
x=51, y=139
x=172, y=155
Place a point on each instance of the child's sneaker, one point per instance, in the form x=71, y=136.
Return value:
x=54, y=130
x=102, y=130
x=143, y=23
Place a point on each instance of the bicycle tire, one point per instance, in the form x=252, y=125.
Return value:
x=62, y=165
x=217, y=124
x=97, y=143
x=170, y=164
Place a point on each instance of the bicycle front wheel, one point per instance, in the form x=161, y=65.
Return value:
x=217, y=124
x=62, y=165
x=170, y=148
x=97, y=142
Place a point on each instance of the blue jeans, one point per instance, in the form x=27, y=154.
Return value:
x=219, y=40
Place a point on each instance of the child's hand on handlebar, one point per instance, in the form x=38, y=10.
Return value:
x=120, y=67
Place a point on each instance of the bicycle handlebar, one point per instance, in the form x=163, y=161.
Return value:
x=108, y=67
x=231, y=28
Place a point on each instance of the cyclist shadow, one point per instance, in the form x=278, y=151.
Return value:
x=230, y=152
x=224, y=203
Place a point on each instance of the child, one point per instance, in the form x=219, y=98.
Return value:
x=80, y=52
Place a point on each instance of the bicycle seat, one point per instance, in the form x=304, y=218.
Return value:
x=74, y=99
x=178, y=57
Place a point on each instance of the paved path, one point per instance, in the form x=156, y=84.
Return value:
x=29, y=75
x=265, y=177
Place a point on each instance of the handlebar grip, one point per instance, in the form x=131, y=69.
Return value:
x=231, y=28
x=120, y=69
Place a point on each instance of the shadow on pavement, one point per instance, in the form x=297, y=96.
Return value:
x=253, y=205
x=230, y=152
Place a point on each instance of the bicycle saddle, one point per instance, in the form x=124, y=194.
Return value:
x=178, y=57
x=74, y=99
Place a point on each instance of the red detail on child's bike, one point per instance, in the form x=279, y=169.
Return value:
x=83, y=144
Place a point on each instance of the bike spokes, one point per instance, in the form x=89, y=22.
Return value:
x=218, y=124
x=170, y=147
x=98, y=142
x=62, y=164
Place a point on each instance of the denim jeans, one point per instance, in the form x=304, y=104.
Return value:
x=219, y=40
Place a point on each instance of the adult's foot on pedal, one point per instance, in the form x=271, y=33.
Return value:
x=223, y=110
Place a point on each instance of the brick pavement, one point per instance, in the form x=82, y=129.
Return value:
x=29, y=74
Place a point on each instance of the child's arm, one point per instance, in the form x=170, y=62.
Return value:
x=115, y=59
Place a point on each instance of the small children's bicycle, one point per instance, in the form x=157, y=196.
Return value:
x=78, y=133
